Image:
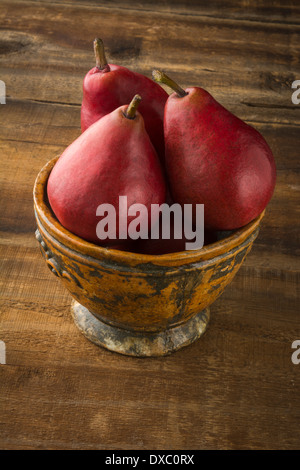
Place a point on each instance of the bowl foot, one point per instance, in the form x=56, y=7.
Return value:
x=140, y=344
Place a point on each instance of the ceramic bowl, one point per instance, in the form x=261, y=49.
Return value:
x=136, y=304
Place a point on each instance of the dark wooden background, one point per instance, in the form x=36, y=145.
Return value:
x=236, y=388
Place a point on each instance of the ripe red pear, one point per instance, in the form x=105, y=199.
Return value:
x=214, y=158
x=108, y=86
x=113, y=157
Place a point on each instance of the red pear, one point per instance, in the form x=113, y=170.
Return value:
x=214, y=158
x=113, y=157
x=108, y=86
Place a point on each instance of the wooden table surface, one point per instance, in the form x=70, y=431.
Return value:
x=235, y=388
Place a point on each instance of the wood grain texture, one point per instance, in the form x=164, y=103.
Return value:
x=236, y=388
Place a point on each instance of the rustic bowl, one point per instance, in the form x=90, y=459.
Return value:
x=135, y=304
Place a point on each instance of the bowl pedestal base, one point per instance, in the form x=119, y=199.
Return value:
x=138, y=343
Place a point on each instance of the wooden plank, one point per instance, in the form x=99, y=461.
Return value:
x=268, y=11
x=248, y=83
x=54, y=124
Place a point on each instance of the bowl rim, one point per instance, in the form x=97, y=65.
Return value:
x=48, y=221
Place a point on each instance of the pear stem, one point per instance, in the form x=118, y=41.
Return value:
x=161, y=77
x=132, y=107
x=100, y=57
